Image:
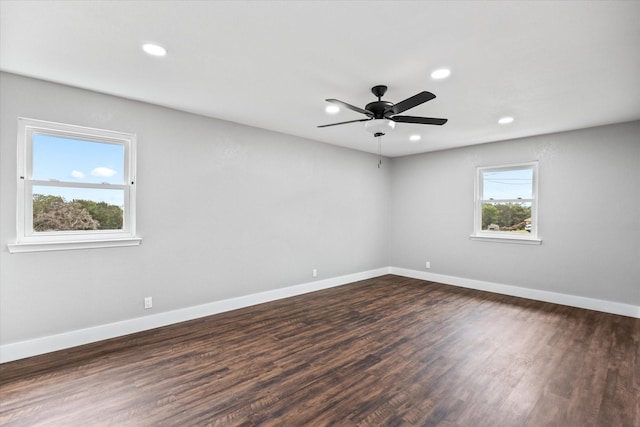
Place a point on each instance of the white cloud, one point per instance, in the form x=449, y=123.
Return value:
x=77, y=174
x=103, y=171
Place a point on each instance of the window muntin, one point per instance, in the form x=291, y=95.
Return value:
x=74, y=184
x=506, y=202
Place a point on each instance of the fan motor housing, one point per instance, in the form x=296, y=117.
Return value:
x=378, y=108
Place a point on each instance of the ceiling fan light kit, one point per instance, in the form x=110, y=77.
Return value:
x=379, y=126
x=382, y=116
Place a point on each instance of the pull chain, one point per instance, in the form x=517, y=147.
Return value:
x=379, y=152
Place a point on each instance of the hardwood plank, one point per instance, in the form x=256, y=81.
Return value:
x=389, y=351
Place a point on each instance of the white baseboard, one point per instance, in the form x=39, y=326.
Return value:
x=516, y=291
x=24, y=349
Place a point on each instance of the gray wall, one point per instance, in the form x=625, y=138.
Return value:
x=224, y=210
x=227, y=210
x=589, y=214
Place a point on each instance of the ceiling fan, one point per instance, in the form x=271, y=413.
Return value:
x=382, y=115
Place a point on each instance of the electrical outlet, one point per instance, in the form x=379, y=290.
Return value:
x=427, y=265
x=314, y=272
x=148, y=302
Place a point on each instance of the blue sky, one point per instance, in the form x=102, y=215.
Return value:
x=511, y=184
x=74, y=160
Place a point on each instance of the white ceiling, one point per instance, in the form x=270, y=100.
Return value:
x=554, y=66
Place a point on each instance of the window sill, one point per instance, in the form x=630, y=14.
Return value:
x=507, y=239
x=72, y=245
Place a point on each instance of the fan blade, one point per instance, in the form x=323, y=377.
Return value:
x=344, y=123
x=414, y=101
x=351, y=107
x=419, y=120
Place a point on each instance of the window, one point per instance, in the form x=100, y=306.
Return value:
x=76, y=187
x=506, y=203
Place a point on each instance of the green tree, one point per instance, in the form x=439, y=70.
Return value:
x=53, y=213
x=519, y=213
x=489, y=215
x=43, y=202
x=108, y=216
x=505, y=215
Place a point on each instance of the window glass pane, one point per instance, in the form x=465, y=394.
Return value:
x=511, y=217
x=70, y=208
x=509, y=184
x=66, y=159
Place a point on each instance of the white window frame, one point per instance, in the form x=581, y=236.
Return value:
x=531, y=238
x=29, y=241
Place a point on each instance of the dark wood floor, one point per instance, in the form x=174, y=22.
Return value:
x=389, y=351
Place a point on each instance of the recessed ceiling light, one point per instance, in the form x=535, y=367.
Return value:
x=415, y=138
x=332, y=109
x=441, y=73
x=154, y=49
x=505, y=120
